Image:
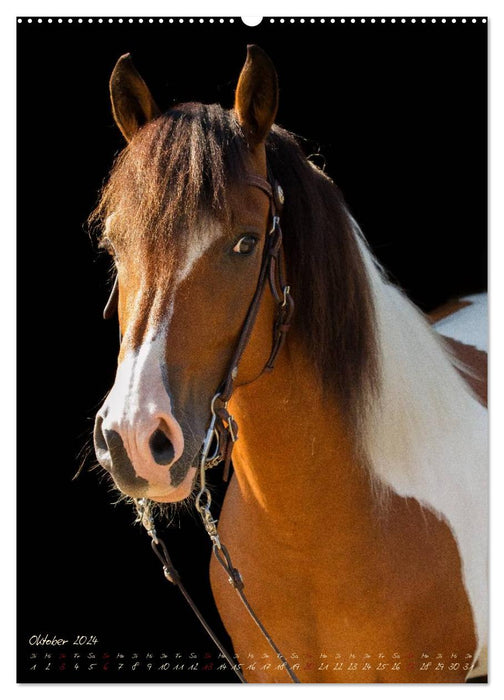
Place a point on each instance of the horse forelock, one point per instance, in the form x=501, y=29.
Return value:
x=177, y=171
x=174, y=173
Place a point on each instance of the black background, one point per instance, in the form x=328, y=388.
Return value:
x=398, y=113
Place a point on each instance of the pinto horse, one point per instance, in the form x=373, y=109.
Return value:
x=357, y=510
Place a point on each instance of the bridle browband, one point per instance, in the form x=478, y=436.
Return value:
x=222, y=431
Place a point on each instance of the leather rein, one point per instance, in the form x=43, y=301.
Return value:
x=222, y=431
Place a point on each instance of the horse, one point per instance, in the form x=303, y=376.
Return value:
x=356, y=512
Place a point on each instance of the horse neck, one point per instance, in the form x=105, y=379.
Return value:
x=297, y=451
x=295, y=457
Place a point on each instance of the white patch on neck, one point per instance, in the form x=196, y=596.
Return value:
x=427, y=437
x=468, y=325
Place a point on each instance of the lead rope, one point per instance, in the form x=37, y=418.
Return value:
x=222, y=555
x=171, y=574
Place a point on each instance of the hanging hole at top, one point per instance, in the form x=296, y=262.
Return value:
x=251, y=21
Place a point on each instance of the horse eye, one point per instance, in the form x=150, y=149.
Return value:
x=245, y=245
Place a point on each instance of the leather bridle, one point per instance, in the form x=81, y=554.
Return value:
x=222, y=431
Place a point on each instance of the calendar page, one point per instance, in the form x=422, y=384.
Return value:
x=393, y=111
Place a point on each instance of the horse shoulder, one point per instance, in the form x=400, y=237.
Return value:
x=326, y=602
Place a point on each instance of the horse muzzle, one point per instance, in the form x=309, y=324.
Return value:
x=142, y=458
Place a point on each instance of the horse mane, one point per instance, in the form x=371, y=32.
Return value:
x=180, y=166
x=334, y=309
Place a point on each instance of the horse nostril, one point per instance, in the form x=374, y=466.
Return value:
x=161, y=447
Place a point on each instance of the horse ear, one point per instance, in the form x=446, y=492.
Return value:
x=132, y=103
x=256, y=99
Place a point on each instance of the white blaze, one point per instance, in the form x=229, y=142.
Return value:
x=139, y=402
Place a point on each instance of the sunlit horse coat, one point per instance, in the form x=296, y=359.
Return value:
x=357, y=513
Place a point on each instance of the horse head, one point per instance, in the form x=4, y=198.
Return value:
x=186, y=230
